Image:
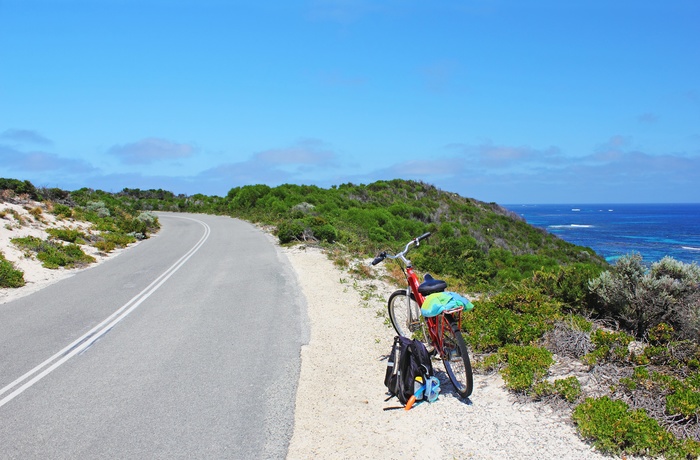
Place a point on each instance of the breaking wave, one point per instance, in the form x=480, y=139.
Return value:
x=571, y=226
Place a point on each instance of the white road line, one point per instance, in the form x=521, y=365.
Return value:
x=85, y=341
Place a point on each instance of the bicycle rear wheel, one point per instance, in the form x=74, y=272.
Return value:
x=405, y=316
x=455, y=358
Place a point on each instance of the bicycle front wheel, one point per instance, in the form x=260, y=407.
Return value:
x=456, y=358
x=405, y=316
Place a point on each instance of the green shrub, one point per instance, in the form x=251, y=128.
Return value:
x=66, y=234
x=525, y=366
x=52, y=254
x=568, y=388
x=62, y=211
x=661, y=334
x=10, y=277
x=288, y=231
x=119, y=239
x=541, y=389
x=520, y=316
x=326, y=233
x=610, y=346
x=615, y=429
x=105, y=246
x=568, y=283
x=685, y=402
x=19, y=187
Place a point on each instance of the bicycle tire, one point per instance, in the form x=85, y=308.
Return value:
x=455, y=358
x=399, y=305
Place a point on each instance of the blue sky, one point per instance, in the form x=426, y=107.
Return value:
x=536, y=101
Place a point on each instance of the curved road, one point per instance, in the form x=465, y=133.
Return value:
x=185, y=346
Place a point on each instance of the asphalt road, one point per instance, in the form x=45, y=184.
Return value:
x=184, y=346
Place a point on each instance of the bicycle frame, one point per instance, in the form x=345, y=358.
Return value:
x=436, y=324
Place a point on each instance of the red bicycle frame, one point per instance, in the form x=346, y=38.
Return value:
x=436, y=324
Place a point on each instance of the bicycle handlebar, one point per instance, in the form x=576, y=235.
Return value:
x=379, y=258
x=401, y=255
x=423, y=236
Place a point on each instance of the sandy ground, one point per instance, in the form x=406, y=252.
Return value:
x=341, y=396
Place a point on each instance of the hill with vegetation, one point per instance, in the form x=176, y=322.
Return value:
x=630, y=331
x=481, y=244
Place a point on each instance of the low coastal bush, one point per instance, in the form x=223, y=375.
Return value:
x=149, y=219
x=306, y=229
x=616, y=429
x=525, y=366
x=98, y=208
x=53, y=254
x=610, y=346
x=521, y=317
x=120, y=240
x=68, y=235
x=10, y=277
x=19, y=187
x=62, y=211
x=568, y=389
x=105, y=246
x=642, y=298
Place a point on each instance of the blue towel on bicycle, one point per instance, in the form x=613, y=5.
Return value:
x=439, y=302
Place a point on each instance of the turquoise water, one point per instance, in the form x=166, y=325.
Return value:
x=613, y=230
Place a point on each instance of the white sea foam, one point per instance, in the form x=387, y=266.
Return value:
x=690, y=248
x=572, y=226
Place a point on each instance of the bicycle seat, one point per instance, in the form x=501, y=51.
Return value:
x=430, y=285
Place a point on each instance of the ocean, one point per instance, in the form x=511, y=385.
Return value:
x=613, y=230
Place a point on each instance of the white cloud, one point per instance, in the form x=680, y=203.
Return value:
x=25, y=136
x=150, y=150
x=36, y=161
x=310, y=152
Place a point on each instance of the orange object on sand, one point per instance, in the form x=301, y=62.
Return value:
x=410, y=402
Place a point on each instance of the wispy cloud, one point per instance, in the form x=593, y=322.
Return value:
x=432, y=169
x=150, y=150
x=20, y=162
x=490, y=156
x=648, y=118
x=25, y=136
x=439, y=76
x=303, y=162
x=307, y=152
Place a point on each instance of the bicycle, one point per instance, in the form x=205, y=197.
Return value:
x=444, y=331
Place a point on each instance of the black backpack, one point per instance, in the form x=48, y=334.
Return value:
x=408, y=359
